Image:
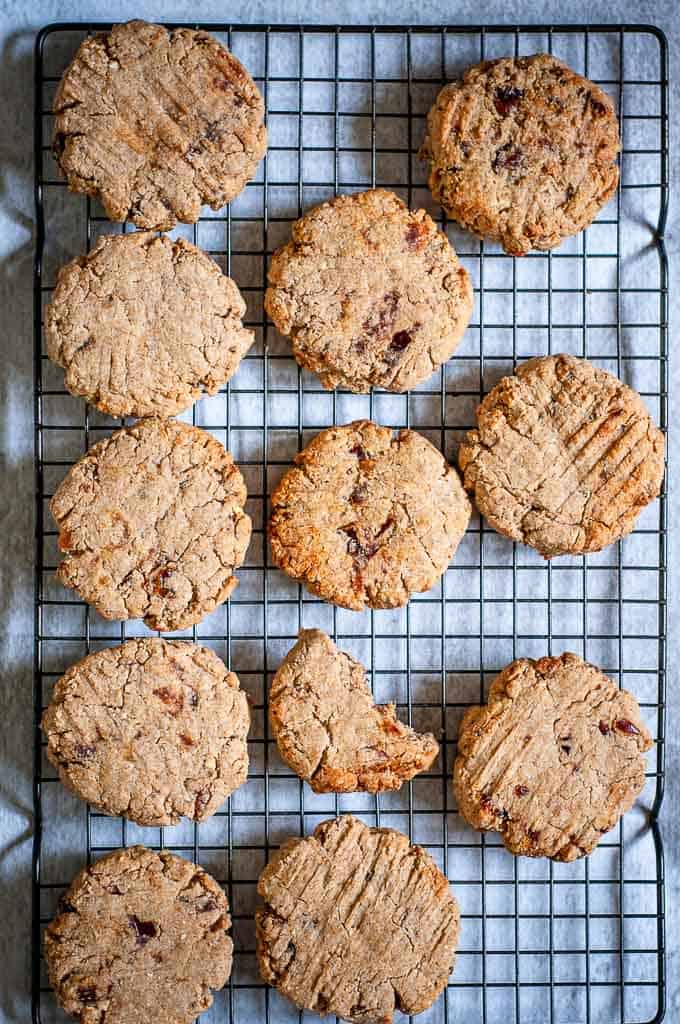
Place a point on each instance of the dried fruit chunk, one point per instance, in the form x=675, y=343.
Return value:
x=371, y=293
x=365, y=518
x=151, y=749
x=523, y=151
x=145, y=940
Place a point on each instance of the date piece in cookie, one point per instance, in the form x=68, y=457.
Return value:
x=371, y=293
x=151, y=524
x=155, y=123
x=553, y=759
x=365, y=518
x=564, y=457
x=523, y=151
x=144, y=325
x=140, y=936
x=329, y=730
x=357, y=922
x=153, y=730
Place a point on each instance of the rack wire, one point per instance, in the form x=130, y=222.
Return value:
x=345, y=109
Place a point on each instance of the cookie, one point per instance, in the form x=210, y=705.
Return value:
x=331, y=733
x=564, y=457
x=522, y=151
x=553, y=759
x=140, y=936
x=154, y=123
x=357, y=922
x=153, y=730
x=371, y=293
x=151, y=524
x=366, y=518
x=144, y=325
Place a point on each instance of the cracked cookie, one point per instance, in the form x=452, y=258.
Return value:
x=357, y=922
x=553, y=759
x=151, y=524
x=331, y=733
x=371, y=293
x=522, y=151
x=140, y=936
x=564, y=457
x=144, y=325
x=365, y=518
x=155, y=123
x=153, y=730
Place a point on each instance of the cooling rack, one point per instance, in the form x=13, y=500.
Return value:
x=345, y=108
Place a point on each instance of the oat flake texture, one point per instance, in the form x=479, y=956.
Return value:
x=357, y=922
x=154, y=123
x=151, y=524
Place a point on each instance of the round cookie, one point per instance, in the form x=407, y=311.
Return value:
x=153, y=730
x=365, y=518
x=140, y=936
x=522, y=151
x=553, y=759
x=155, y=123
x=151, y=524
x=371, y=293
x=564, y=457
x=331, y=733
x=357, y=922
x=144, y=325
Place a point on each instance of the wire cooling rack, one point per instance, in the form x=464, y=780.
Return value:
x=345, y=108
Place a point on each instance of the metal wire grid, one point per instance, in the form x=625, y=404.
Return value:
x=540, y=942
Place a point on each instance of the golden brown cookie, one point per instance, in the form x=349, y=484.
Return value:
x=357, y=922
x=365, y=518
x=140, y=936
x=522, y=150
x=564, y=457
x=153, y=730
x=144, y=325
x=329, y=730
x=371, y=293
x=155, y=123
x=553, y=759
x=151, y=524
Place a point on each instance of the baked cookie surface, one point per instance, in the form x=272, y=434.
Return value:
x=151, y=524
x=371, y=293
x=553, y=759
x=365, y=518
x=144, y=325
x=155, y=123
x=357, y=922
x=140, y=936
x=522, y=151
x=564, y=457
x=331, y=733
x=153, y=730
